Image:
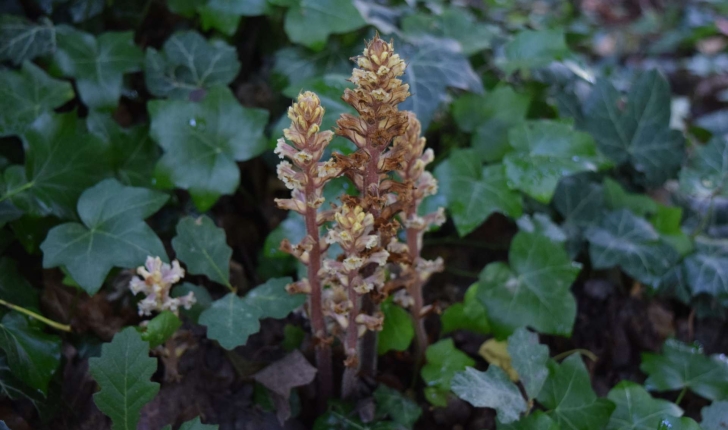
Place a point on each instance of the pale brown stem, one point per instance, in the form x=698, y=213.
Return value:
x=415, y=290
x=348, y=383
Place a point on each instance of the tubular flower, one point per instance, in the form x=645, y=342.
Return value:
x=155, y=281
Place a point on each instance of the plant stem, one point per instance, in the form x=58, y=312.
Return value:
x=681, y=395
x=584, y=352
x=415, y=290
x=348, y=383
x=41, y=318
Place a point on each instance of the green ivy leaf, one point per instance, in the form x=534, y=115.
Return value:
x=579, y=200
x=534, y=291
x=186, y=8
x=203, y=248
x=189, y=63
x=123, y=372
x=161, y=328
x=272, y=300
x=202, y=142
x=97, y=64
x=14, y=288
x=113, y=233
x=468, y=315
x=707, y=171
x=667, y=221
x=13, y=388
x=677, y=423
x=310, y=22
x=715, y=416
x=639, y=134
x=196, y=424
x=503, y=104
x=706, y=270
x=451, y=23
x=490, y=389
x=569, y=396
x=443, y=362
x=224, y=15
x=536, y=421
x=398, y=331
x=542, y=224
x=202, y=297
x=273, y=260
x=26, y=95
x=298, y=64
x=230, y=320
x=544, y=152
x=528, y=359
x=533, y=49
x=473, y=192
x=680, y=366
x=21, y=40
x=397, y=406
x=61, y=160
x=341, y=416
x=615, y=197
x=636, y=409
x=622, y=239
x=133, y=153
x=33, y=356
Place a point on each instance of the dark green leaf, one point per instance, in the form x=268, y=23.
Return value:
x=398, y=330
x=224, y=15
x=310, y=22
x=536, y=421
x=97, y=64
x=715, y=416
x=451, y=23
x=196, y=424
x=468, y=315
x=202, y=297
x=569, y=396
x=202, y=247
x=706, y=270
x=615, y=197
x=202, y=141
x=474, y=193
x=534, y=291
x=299, y=64
x=541, y=224
x=676, y=423
x=503, y=104
x=667, y=222
x=490, y=389
x=639, y=134
x=622, y=239
x=26, y=95
x=397, y=406
x=443, y=362
x=113, y=233
x=13, y=388
x=528, y=359
x=14, y=288
x=272, y=299
x=544, y=152
x=21, y=40
x=160, y=328
x=61, y=160
x=230, y=321
x=532, y=49
x=680, y=366
x=707, y=171
x=189, y=63
x=186, y=8
x=123, y=372
x=579, y=200
x=636, y=409
x=33, y=356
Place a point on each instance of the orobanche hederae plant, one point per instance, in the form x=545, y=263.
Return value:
x=378, y=231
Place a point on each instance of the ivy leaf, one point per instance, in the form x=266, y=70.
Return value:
x=161, y=328
x=636, y=409
x=639, y=134
x=202, y=141
x=196, y=424
x=667, y=221
x=468, y=315
x=433, y=65
x=14, y=288
x=579, y=200
x=706, y=270
x=310, y=22
x=21, y=40
x=298, y=64
x=451, y=23
x=528, y=359
x=26, y=95
x=32, y=355
x=123, y=372
x=224, y=15
x=680, y=366
x=396, y=405
x=707, y=171
x=273, y=260
x=533, y=49
x=678, y=423
x=715, y=416
x=203, y=248
x=189, y=63
x=13, y=388
x=490, y=389
x=230, y=320
x=133, y=153
x=398, y=330
x=622, y=239
x=272, y=299
x=97, y=64
x=615, y=197
x=61, y=160
x=541, y=224
x=543, y=153
x=569, y=395
x=533, y=291
x=113, y=233
x=536, y=421
x=443, y=362
x=473, y=192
